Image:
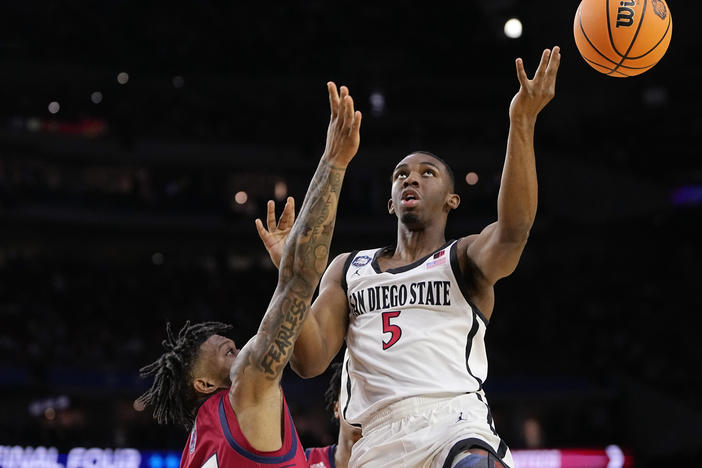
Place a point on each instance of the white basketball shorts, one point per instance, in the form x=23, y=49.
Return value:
x=428, y=432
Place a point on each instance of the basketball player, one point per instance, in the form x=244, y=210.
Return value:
x=336, y=455
x=231, y=399
x=414, y=315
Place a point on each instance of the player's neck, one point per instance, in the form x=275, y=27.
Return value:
x=413, y=245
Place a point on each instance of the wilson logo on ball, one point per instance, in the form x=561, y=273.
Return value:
x=625, y=14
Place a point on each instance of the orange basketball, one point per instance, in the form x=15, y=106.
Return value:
x=622, y=37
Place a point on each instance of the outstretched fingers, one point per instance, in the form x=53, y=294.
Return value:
x=545, y=56
x=356, y=122
x=339, y=118
x=333, y=99
x=262, y=233
x=348, y=113
x=534, y=94
x=555, y=61
x=342, y=108
x=288, y=217
x=343, y=131
x=521, y=73
x=270, y=215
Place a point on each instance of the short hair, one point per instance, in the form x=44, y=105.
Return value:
x=449, y=171
x=331, y=396
x=172, y=395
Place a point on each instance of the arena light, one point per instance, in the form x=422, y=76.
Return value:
x=122, y=78
x=616, y=456
x=280, y=191
x=241, y=197
x=54, y=107
x=377, y=102
x=178, y=81
x=513, y=28
x=96, y=97
x=472, y=178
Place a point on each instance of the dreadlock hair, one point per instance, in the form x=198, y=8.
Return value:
x=172, y=395
x=331, y=396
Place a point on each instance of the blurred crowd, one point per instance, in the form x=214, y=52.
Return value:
x=575, y=330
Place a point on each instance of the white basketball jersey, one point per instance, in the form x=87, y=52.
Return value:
x=412, y=332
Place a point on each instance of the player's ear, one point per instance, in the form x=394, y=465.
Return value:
x=453, y=200
x=204, y=385
x=391, y=207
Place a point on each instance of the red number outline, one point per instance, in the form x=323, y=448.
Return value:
x=394, y=330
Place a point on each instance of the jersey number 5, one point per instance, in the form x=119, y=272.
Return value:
x=394, y=330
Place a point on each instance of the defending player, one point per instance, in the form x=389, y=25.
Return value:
x=231, y=399
x=414, y=315
x=335, y=455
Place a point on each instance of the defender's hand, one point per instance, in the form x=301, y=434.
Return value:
x=343, y=134
x=275, y=236
x=534, y=94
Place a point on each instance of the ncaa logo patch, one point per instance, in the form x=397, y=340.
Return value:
x=361, y=261
x=193, y=438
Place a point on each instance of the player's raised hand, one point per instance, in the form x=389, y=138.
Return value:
x=343, y=134
x=275, y=236
x=534, y=94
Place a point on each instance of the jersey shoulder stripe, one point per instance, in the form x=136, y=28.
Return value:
x=347, y=264
x=348, y=390
x=462, y=283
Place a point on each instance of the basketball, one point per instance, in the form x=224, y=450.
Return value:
x=622, y=38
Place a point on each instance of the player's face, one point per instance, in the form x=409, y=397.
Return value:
x=217, y=355
x=420, y=190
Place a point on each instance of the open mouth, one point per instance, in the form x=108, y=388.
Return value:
x=409, y=199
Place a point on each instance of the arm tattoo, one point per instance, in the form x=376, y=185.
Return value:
x=301, y=267
x=274, y=357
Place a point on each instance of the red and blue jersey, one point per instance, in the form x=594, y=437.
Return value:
x=216, y=440
x=321, y=457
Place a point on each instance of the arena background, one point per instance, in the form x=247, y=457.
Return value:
x=127, y=129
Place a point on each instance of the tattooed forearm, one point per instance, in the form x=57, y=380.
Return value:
x=304, y=260
x=311, y=236
x=274, y=358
